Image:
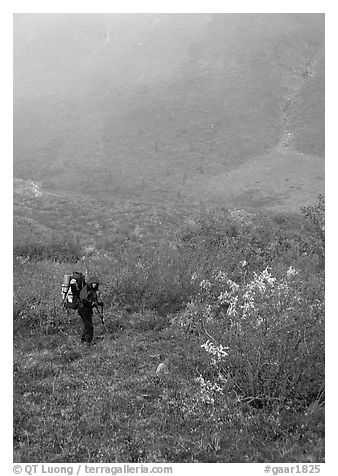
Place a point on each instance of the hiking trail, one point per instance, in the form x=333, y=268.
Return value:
x=288, y=134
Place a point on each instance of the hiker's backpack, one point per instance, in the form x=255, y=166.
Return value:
x=71, y=287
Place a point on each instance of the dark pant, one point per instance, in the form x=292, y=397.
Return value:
x=88, y=328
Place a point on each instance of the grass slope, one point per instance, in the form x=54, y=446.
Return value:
x=105, y=404
x=279, y=180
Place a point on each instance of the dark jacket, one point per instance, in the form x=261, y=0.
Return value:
x=88, y=297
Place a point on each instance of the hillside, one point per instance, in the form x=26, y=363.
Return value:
x=42, y=216
x=158, y=107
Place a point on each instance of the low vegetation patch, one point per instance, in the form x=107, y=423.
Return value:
x=65, y=251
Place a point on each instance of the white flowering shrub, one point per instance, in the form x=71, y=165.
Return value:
x=208, y=391
x=265, y=337
x=217, y=352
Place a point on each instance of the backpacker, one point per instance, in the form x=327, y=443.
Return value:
x=71, y=287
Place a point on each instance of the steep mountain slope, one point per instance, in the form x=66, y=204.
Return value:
x=160, y=106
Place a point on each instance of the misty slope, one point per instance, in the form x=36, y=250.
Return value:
x=159, y=105
x=308, y=111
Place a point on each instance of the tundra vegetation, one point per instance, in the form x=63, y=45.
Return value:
x=233, y=299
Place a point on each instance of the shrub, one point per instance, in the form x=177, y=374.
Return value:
x=230, y=237
x=313, y=235
x=156, y=280
x=265, y=337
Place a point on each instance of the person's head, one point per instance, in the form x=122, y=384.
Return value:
x=93, y=282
